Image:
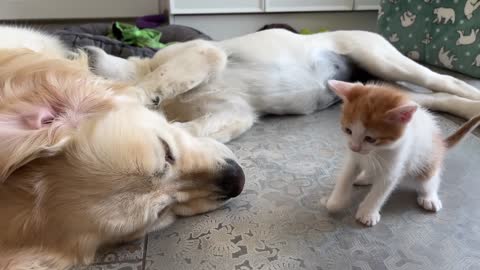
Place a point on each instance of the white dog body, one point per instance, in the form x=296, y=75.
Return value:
x=218, y=89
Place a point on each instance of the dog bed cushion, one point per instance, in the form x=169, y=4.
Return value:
x=440, y=33
x=95, y=34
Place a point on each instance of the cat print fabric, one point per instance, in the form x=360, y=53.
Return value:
x=436, y=32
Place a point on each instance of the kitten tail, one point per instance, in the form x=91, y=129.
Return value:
x=456, y=137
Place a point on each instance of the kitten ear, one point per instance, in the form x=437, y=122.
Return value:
x=342, y=89
x=402, y=114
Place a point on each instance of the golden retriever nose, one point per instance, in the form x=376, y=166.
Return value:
x=231, y=179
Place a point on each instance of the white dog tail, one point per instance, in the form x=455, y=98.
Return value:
x=32, y=260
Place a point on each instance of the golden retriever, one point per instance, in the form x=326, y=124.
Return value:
x=83, y=164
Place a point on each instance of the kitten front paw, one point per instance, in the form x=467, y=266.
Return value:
x=430, y=204
x=367, y=218
x=333, y=205
x=363, y=180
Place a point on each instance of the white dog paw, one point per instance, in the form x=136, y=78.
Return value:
x=367, y=218
x=430, y=204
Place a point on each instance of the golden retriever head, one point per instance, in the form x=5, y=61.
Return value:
x=82, y=165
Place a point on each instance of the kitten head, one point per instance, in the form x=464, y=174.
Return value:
x=373, y=116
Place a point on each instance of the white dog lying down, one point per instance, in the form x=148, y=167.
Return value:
x=82, y=164
x=218, y=89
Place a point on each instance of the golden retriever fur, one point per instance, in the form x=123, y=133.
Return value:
x=83, y=164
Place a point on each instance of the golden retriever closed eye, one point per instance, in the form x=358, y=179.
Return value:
x=82, y=165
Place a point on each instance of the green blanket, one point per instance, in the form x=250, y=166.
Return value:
x=437, y=32
x=132, y=35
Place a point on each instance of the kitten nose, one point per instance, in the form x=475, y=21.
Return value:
x=355, y=148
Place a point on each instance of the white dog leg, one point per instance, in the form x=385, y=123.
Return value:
x=109, y=66
x=222, y=126
x=174, y=50
x=171, y=72
x=185, y=71
x=375, y=54
x=455, y=105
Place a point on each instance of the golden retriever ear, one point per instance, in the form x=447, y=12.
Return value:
x=27, y=132
x=43, y=102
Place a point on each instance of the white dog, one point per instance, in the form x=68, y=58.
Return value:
x=218, y=89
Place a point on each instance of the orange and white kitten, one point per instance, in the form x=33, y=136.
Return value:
x=390, y=137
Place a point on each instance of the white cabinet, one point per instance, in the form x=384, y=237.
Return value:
x=192, y=7
x=231, y=18
x=83, y=9
x=75, y=9
x=307, y=5
x=215, y=6
x=366, y=4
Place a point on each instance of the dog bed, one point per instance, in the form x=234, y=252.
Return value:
x=95, y=34
x=444, y=34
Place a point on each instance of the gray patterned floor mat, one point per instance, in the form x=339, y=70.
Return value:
x=278, y=222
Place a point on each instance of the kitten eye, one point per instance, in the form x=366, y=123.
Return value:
x=348, y=131
x=370, y=139
x=169, y=158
